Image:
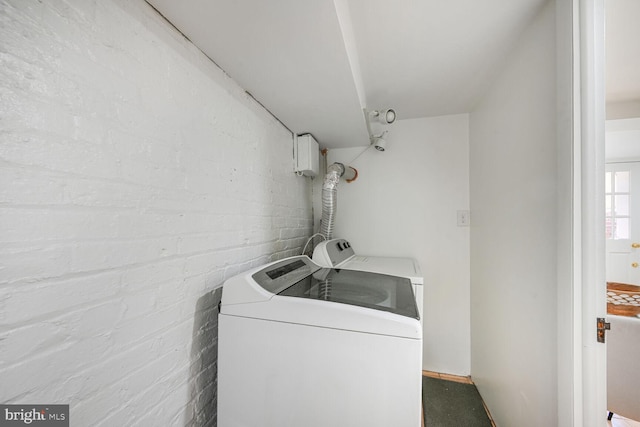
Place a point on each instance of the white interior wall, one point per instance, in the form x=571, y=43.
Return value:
x=404, y=203
x=135, y=177
x=621, y=140
x=513, y=177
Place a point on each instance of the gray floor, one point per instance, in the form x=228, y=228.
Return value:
x=452, y=404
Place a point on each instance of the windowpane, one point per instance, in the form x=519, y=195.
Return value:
x=622, y=181
x=622, y=205
x=617, y=204
x=622, y=228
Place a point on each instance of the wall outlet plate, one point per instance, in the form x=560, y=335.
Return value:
x=464, y=218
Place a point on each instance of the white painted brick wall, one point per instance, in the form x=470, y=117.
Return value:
x=135, y=177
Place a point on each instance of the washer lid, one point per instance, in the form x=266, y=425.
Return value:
x=360, y=288
x=300, y=281
x=349, y=300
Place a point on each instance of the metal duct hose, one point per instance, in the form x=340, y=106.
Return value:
x=329, y=198
x=324, y=289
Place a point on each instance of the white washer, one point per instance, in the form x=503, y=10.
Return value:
x=301, y=345
x=338, y=253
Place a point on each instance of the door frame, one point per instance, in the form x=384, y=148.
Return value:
x=587, y=391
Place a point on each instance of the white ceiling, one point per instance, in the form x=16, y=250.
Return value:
x=316, y=64
x=428, y=58
x=289, y=54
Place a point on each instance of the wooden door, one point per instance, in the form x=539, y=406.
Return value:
x=622, y=198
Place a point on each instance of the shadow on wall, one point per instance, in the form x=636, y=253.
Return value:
x=204, y=361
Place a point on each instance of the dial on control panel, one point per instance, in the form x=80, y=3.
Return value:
x=342, y=245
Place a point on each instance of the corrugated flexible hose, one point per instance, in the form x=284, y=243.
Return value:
x=330, y=198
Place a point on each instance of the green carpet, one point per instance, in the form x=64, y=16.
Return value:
x=452, y=404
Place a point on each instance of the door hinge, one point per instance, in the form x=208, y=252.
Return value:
x=602, y=326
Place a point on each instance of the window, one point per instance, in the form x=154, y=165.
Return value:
x=617, y=205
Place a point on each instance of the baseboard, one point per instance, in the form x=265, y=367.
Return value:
x=448, y=377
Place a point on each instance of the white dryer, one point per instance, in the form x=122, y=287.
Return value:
x=338, y=253
x=302, y=345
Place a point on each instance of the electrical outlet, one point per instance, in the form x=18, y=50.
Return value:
x=464, y=219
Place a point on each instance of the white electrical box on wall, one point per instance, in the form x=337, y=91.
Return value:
x=307, y=153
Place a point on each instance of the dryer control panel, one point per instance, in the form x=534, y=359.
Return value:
x=330, y=253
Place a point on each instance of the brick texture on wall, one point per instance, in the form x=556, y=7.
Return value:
x=135, y=177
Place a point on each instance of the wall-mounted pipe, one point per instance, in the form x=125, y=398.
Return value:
x=350, y=174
